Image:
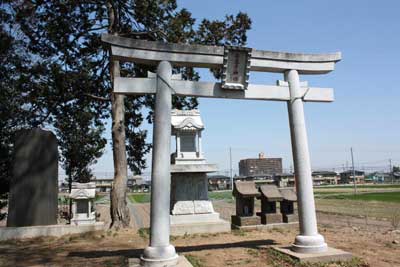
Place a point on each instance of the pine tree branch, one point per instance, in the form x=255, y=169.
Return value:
x=98, y=97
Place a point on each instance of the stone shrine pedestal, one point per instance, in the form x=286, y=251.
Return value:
x=191, y=210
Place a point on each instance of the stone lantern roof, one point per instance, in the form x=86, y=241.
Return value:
x=186, y=120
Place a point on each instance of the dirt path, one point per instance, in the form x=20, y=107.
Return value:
x=244, y=249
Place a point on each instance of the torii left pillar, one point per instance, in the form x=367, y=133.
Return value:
x=160, y=252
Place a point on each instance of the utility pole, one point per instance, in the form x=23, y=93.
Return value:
x=230, y=160
x=391, y=170
x=354, y=172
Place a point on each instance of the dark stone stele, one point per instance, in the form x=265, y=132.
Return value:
x=34, y=187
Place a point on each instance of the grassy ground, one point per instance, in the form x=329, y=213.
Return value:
x=385, y=197
x=360, y=186
x=217, y=195
x=359, y=208
x=145, y=197
x=139, y=197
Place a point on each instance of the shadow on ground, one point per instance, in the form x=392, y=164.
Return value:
x=135, y=253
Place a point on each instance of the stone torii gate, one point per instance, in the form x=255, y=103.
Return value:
x=236, y=63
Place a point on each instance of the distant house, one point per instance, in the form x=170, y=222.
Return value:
x=318, y=177
x=284, y=179
x=346, y=177
x=325, y=178
x=219, y=182
x=134, y=183
x=377, y=177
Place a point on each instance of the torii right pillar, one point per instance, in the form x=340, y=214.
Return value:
x=309, y=240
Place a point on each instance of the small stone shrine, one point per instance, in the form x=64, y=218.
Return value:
x=245, y=192
x=270, y=195
x=287, y=205
x=191, y=210
x=82, y=196
x=34, y=186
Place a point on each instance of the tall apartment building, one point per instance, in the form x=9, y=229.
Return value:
x=260, y=166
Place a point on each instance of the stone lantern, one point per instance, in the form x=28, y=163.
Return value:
x=82, y=196
x=191, y=210
x=187, y=127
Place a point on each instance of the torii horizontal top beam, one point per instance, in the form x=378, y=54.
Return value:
x=151, y=53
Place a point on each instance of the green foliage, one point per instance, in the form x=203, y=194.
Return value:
x=194, y=260
x=218, y=195
x=55, y=71
x=139, y=198
x=144, y=233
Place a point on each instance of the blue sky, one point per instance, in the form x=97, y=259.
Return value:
x=366, y=112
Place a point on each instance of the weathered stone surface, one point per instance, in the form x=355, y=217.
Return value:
x=217, y=226
x=181, y=262
x=188, y=187
x=245, y=221
x=82, y=195
x=288, y=218
x=331, y=254
x=183, y=207
x=192, y=168
x=212, y=56
x=203, y=206
x=268, y=218
x=194, y=218
x=34, y=187
x=57, y=230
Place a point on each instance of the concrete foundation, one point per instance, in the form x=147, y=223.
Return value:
x=181, y=262
x=7, y=233
x=331, y=254
x=288, y=218
x=268, y=218
x=198, y=224
x=266, y=226
x=245, y=221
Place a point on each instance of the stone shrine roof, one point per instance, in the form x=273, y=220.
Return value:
x=186, y=120
x=245, y=189
x=288, y=194
x=83, y=190
x=271, y=192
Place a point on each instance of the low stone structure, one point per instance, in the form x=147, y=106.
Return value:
x=191, y=210
x=270, y=195
x=56, y=230
x=34, y=186
x=245, y=192
x=82, y=195
x=287, y=205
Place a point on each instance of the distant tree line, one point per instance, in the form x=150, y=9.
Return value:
x=55, y=73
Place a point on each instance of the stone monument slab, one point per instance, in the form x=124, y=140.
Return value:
x=34, y=185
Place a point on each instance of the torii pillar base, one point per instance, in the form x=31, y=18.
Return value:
x=329, y=255
x=180, y=262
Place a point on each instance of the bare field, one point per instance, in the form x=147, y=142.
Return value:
x=364, y=228
x=247, y=249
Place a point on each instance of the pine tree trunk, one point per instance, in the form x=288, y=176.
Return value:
x=118, y=207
